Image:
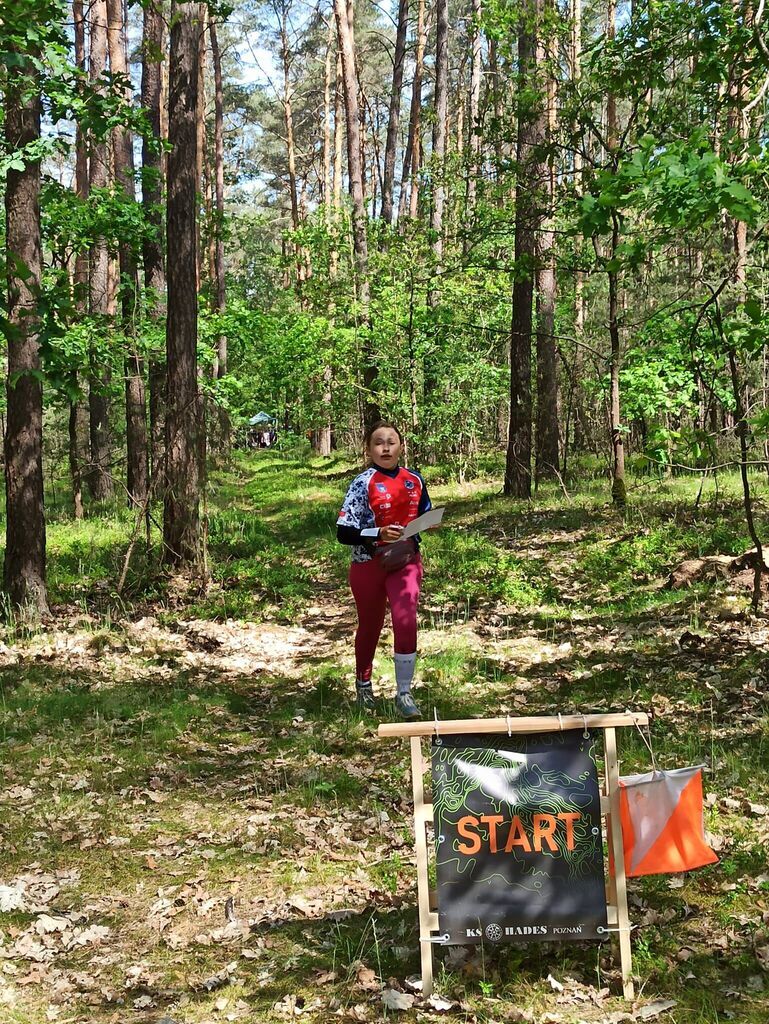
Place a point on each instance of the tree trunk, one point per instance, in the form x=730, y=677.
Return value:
x=325, y=432
x=135, y=400
x=338, y=168
x=579, y=278
x=221, y=297
x=412, y=158
x=75, y=470
x=547, y=439
x=327, y=78
x=343, y=14
x=201, y=136
x=393, y=120
x=153, y=47
x=220, y=301
x=618, y=486
x=496, y=87
x=24, y=574
x=288, y=119
x=181, y=519
x=80, y=275
x=518, y=463
x=100, y=475
x=439, y=130
x=475, y=135
x=81, y=158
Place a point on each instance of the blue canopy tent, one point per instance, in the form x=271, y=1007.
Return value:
x=262, y=419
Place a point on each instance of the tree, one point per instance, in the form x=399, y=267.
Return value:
x=135, y=401
x=547, y=432
x=412, y=157
x=439, y=127
x=152, y=197
x=474, y=111
x=393, y=117
x=344, y=26
x=100, y=475
x=24, y=572
x=618, y=488
x=77, y=426
x=181, y=515
x=518, y=462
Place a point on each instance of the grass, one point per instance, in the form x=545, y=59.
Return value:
x=152, y=771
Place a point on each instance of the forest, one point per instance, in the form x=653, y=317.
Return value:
x=530, y=233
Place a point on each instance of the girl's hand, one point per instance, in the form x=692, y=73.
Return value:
x=389, y=534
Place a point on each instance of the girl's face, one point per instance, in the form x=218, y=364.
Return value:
x=385, y=447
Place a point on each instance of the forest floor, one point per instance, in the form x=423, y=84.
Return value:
x=197, y=825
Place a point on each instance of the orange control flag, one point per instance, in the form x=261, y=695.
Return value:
x=662, y=826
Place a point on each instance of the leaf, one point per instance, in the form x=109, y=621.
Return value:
x=555, y=985
x=395, y=1000
x=12, y=897
x=753, y=310
x=652, y=1010
x=45, y=924
x=441, y=1005
x=366, y=978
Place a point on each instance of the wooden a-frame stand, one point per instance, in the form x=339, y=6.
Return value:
x=616, y=885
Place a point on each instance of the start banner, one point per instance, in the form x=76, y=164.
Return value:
x=518, y=838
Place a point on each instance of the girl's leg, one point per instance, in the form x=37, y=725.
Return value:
x=403, y=594
x=367, y=582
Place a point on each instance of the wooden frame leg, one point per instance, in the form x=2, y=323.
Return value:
x=421, y=818
x=618, y=886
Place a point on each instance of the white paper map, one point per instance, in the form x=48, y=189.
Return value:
x=428, y=521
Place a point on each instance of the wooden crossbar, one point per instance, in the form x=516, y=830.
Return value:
x=533, y=723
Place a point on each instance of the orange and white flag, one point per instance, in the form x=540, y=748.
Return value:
x=662, y=823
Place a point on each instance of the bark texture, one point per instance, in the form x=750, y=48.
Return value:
x=153, y=43
x=125, y=178
x=393, y=120
x=547, y=454
x=181, y=516
x=100, y=474
x=24, y=572
x=518, y=462
x=344, y=24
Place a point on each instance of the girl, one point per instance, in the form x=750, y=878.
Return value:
x=379, y=504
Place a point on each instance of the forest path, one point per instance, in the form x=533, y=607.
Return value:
x=196, y=824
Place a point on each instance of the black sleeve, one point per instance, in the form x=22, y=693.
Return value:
x=424, y=502
x=351, y=535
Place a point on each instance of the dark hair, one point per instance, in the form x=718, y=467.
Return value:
x=377, y=425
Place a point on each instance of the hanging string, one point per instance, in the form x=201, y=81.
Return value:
x=648, y=744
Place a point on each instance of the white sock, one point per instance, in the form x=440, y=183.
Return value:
x=404, y=671
x=363, y=684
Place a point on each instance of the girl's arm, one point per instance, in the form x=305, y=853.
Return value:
x=352, y=535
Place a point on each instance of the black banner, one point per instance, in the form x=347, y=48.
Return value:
x=518, y=838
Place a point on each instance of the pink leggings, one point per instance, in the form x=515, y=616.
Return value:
x=372, y=589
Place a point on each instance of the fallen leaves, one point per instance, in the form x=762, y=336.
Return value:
x=654, y=1009
x=394, y=999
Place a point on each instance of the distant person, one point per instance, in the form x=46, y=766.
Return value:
x=379, y=504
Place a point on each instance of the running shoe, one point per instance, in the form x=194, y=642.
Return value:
x=407, y=707
x=365, y=698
